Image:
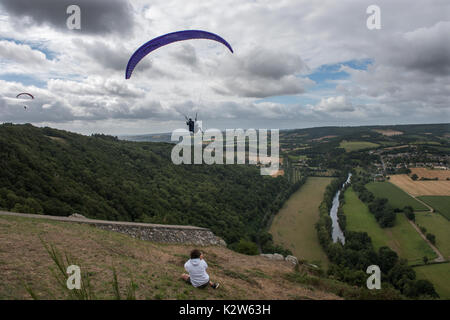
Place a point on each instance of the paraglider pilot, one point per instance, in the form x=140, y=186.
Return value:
x=191, y=125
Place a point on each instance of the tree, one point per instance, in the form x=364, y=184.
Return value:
x=431, y=237
x=409, y=212
x=387, y=259
x=414, y=177
x=425, y=288
x=418, y=288
x=400, y=274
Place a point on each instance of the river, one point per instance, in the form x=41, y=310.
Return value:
x=337, y=233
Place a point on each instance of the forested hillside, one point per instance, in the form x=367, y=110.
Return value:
x=44, y=170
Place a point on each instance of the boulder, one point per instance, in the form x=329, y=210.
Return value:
x=292, y=259
x=77, y=216
x=277, y=256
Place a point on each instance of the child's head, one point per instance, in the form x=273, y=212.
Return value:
x=195, y=254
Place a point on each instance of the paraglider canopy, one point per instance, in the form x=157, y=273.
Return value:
x=167, y=39
x=25, y=94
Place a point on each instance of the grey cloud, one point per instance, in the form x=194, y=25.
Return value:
x=115, y=56
x=97, y=16
x=424, y=49
x=263, y=73
x=273, y=65
x=186, y=55
x=107, y=88
x=109, y=56
x=259, y=88
x=93, y=111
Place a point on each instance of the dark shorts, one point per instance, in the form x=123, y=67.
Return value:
x=188, y=280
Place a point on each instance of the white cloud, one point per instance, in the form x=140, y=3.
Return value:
x=334, y=104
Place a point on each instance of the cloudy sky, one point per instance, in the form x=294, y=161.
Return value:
x=296, y=63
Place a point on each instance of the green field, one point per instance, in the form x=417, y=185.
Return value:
x=357, y=145
x=439, y=203
x=296, y=158
x=293, y=226
x=397, y=197
x=402, y=238
x=438, y=274
x=440, y=227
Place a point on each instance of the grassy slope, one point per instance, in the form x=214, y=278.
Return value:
x=438, y=275
x=396, y=196
x=402, y=237
x=439, y=203
x=293, y=226
x=440, y=227
x=155, y=268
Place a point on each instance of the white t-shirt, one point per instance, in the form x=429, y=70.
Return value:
x=197, y=271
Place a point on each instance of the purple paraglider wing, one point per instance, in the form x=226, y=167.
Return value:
x=25, y=93
x=167, y=39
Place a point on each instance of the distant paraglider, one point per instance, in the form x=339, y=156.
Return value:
x=24, y=95
x=167, y=39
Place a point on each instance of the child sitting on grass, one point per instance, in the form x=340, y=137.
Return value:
x=196, y=267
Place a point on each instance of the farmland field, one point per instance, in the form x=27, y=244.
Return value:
x=356, y=145
x=396, y=196
x=421, y=188
x=359, y=218
x=440, y=227
x=431, y=173
x=438, y=275
x=389, y=132
x=402, y=237
x=293, y=226
x=440, y=204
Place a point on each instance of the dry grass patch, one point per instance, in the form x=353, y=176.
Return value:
x=431, y=173
x=421, y=188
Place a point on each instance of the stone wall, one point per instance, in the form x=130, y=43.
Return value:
x=145, y=231
x=156, y=233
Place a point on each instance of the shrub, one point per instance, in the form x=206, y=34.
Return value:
x=431, y=237
x=246, y=247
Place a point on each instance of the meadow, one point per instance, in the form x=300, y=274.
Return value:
x=439, y=203
x=438, y=275
x=396, y=196
x=293, y=225
x=440, y=227
x=402, y=237
x=350, y=146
